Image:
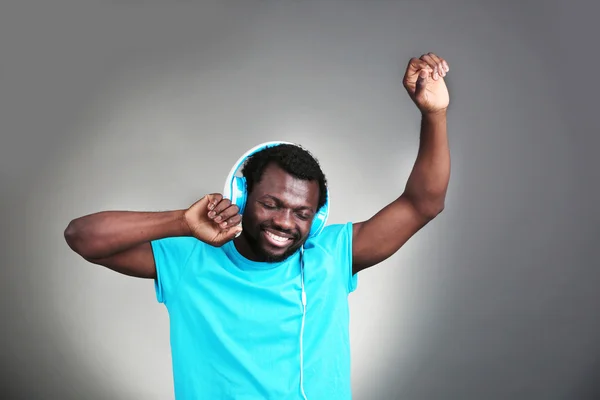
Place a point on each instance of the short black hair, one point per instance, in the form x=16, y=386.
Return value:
x=293, y=159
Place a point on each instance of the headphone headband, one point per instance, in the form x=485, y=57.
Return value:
x=236, y=189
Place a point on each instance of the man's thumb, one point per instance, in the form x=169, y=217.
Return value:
x=233, y=232
x=420, y=85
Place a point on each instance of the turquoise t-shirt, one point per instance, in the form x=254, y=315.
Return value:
x=235, y=324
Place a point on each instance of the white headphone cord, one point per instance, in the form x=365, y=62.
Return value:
x=302, y=326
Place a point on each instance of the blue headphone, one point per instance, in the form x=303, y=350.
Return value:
x=236, y=189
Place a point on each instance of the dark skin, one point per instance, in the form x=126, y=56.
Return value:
x=280, y=204
x=284, y=205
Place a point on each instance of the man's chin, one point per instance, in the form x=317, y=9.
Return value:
x=278, y=255
x=273, y=257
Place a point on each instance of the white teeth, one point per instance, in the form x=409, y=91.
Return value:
x=277, y=238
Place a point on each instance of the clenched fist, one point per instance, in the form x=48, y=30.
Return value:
x=214, y=220
x=424, y=82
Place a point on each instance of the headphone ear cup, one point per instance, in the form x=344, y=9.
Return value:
x=317, y=225
x=320, y=219
x=239, y=192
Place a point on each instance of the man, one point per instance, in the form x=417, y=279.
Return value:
x=262, y=312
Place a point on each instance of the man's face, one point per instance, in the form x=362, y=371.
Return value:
x=278, y=216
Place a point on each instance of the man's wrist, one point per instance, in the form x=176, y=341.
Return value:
x=183, y=226
x=435, y=116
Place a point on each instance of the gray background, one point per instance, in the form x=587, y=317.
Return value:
x=144, y=105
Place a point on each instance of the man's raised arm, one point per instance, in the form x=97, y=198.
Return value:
x=423, y=198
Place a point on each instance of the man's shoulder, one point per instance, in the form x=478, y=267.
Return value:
x=182, y=247
x=333, y=235
x=335, y=229
x=177, y=241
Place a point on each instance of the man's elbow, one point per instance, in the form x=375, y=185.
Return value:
x=71, y=235
x=430, y=209
x=428, y=203
x=74, y=235
x=439, y=210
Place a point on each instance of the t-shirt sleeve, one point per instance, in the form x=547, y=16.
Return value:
x=171, y=257
x=347, y=239
x=336, y=240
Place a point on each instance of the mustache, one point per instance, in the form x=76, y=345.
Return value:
x=294, y=234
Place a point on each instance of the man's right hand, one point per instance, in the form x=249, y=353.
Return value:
x=213, y=220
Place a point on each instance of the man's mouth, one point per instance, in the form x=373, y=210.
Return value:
x=277, y=239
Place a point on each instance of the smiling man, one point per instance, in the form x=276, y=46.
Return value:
x=261, y=312
x=283, y=177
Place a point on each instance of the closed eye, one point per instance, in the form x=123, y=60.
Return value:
x=303, y=217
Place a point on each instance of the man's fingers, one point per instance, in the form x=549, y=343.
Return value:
x=235, y=220
x=221, y=211
x=220, y=207
x=433, y=64
x=230, y=222
x=226, y=214
x=439, y=65
x=415, y=65
x=444, y=64
x=213, y=200
x=437, y=60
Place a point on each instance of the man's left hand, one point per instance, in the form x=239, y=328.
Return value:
x=424, y=82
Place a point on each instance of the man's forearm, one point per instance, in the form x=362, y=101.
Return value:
x=428, y=181
x=107, y=233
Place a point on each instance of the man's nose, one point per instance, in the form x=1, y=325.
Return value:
x=284, y=219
